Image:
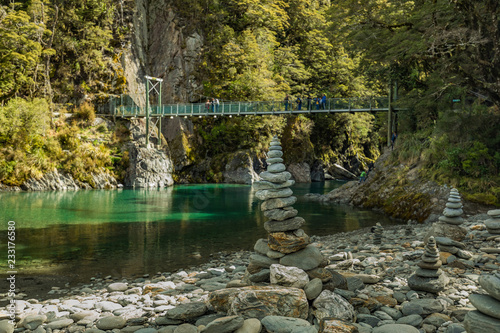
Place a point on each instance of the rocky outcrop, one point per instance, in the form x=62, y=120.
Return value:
x=301, y=172
x=58, y=180
x=174, y=59
x=149, y=168
x=395, y=189
x=179, y=133
x=240, y=170
x=338, y=171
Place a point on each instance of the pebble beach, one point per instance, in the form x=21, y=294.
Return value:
x=367, y=291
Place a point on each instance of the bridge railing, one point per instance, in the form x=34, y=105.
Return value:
x=127, y=108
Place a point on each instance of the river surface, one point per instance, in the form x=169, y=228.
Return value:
x=134, y=232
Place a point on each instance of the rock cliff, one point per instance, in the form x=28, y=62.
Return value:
x=163, y=45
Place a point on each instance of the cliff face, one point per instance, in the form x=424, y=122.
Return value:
x=162, y=46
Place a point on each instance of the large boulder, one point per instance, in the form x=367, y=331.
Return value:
x=239, y=169
x=259, y=302
x=149, y=168
x=301, y=172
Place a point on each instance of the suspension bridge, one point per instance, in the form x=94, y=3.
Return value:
x=124, y=106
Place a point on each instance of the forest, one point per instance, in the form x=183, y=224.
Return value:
x=441, y=58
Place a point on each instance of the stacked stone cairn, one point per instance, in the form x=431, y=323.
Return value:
x=287, y=244
x=493, y=223
x=449, y=223
x=378, y=232
x=486, y=319
x=453, y=211
x=429, y=276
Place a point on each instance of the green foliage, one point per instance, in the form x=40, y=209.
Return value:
x=85, y=113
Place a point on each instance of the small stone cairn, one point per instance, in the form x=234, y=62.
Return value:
x=378, y=232
x=453, y=211
x=486, y=319
x=429, y=276
x=287, y=244
x=493, y=223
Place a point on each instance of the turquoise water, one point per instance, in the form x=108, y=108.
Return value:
x=134, y=232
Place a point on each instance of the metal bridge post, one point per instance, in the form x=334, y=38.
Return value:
x=389, y=116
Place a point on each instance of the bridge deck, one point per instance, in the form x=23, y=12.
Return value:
x=332, y=105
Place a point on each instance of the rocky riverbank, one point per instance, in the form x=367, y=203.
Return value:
x=365, y=287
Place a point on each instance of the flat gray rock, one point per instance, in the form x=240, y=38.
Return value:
x=187, y=311
x=276, y=177
x=454, y=205
x=305, y=259
x=276, y=167
x=452, y=220
x=273, y=193
x=494, y=212
x=224, y=324
x=277, y=203
x=413, y=320
x=110, y=323
x=265, y=185
x=274, y=153
x=280, y=214
x=274, y=160
x=59, y=323
x=286, y=225
x=491, y=283
x=431, y=285
x=283, y=324
x=449, y=242
x=452, y=212
x=492, y=223
x=476, y=322
x=486, y=304
x=395, y=328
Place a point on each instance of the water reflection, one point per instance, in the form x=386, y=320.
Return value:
x=132, y=232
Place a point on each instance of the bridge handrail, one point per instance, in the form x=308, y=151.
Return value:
x=250, y=107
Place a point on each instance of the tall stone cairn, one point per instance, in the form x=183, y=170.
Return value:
x=453, y=210
x=286, y=244
x=429, y=276
x=486, y=319
x=493, y=223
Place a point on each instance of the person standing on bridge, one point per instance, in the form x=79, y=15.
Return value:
x=287, y=99
x=216, y=101
x=309, y=99
x=323, y=102
x=299, y=103
x=207, y=105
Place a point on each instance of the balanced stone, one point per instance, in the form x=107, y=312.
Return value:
x=275, y=148
x=277, y=203
x=432, y=285
x=274, y=193
x=274, y=153
x=428, y=272
x=433, y=266
x=288, y=242
x=486, y=304
x=494, y=212
x=476, y=322
x=452, y=212
x=276, y=168
x=276, y=177
x=454, y=200
x=454, y=205
x=280, y=214
x=274, y=160
x=285, y=225
x=265, y=185
x=452, y=220
x=491, y=283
